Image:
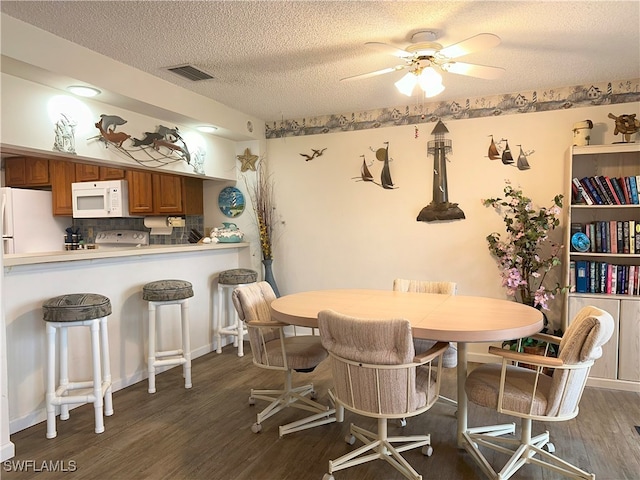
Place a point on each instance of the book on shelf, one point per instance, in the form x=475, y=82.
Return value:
x=614, y=279
x=595, y=195
x=603, y=191
x=613, y=227
x=623, y=182
x=620, y=238
x=580, y=195
x=581, y=276
x=611, y=192
x=632, y=237
x=634, y=190
x=638, y=237
x=631, y=280
x=617, y=190
x=572, y=276
x=592, y=237
x=625, y=236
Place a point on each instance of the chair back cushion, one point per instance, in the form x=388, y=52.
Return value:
x=582, y=342
x=450, y=357
x=373, y=342
x=422, y=286
x=252, y=302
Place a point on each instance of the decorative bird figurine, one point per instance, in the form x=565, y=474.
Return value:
x=315, y=154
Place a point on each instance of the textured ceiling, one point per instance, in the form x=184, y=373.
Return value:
x=276, y=60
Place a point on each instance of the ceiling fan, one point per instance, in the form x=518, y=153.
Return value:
x=424, y=56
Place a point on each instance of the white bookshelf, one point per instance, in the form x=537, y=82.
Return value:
x=619, y=366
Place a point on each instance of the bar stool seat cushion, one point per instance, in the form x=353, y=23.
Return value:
x=237, y=276
x=167, y=290
x=76, y=307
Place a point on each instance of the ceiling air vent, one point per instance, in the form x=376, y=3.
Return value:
x=190, y=72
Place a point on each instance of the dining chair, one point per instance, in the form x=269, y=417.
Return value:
x=377, y=374
x=532, y=395
x=450, y=357
x=272, y=349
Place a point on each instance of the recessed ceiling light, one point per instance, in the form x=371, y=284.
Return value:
x=206, y=128
x=84, y=91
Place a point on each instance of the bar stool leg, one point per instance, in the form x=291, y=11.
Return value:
x=151, y=356
x=186, y=343
x=64, y=370
x=106, y=367
x=217, y=322
x=51, y=381
x=98, y=404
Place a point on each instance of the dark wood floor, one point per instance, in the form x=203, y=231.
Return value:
x=204, y=433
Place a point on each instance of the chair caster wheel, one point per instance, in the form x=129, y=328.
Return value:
x=550, y=447
x=427, y=450
x=256, y=428
x=350, y=439
x=252, y=401
x=402, y=422
x=328, y=476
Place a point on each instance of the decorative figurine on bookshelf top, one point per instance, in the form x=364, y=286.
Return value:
x=627, y=125
x=582, y=133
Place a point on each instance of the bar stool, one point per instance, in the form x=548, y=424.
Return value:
x=77, y=310
x=159, y=294
x=227, y=321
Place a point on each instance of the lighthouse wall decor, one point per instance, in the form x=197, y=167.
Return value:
x=440, y=208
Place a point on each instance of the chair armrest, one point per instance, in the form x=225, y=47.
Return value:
x=254, y=323
x=545, y=337
x=537, y=360
x=435, y=351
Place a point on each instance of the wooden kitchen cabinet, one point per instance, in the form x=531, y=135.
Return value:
x=140, y=192
x=86, y=172
x=27, y=172
x=63, y=174
x=164, y=194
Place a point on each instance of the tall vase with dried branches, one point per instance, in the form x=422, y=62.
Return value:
x=263, y=201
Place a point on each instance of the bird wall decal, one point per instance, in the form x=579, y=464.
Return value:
x=315, y=154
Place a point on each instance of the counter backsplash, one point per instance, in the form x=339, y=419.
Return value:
x=178, y=236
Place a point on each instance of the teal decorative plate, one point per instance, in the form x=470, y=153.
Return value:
x=580, y=242
x=231, y=201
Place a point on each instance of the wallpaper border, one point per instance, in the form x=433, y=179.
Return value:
x=604, y=93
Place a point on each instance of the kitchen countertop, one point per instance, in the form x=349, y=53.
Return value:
x=16, y=259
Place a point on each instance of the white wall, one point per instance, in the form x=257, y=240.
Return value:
x=337, y=232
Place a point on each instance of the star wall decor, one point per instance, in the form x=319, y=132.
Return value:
x=248, y=161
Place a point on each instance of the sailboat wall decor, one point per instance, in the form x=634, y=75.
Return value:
x=440, y=208
x=507, y=158
x=494, y=154
x=382, y=154
x=496, y=151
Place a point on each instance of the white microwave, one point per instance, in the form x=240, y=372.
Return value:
x=105, y=199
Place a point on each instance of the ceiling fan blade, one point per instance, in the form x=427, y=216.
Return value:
x=390, y=49
x=373, y=74
x=482, y=41
x=473, y=70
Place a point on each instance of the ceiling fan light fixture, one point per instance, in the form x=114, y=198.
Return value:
x=432, y=90
x=407, y=83
x=430, y=82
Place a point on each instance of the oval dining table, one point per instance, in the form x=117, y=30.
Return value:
x=447, y=318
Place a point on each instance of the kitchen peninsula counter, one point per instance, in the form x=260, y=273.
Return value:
x=16, y=259
x=119, y=274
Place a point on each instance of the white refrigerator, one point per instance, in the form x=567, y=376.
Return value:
x=28, y=224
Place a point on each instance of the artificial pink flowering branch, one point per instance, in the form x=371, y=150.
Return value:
x=520, y=252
